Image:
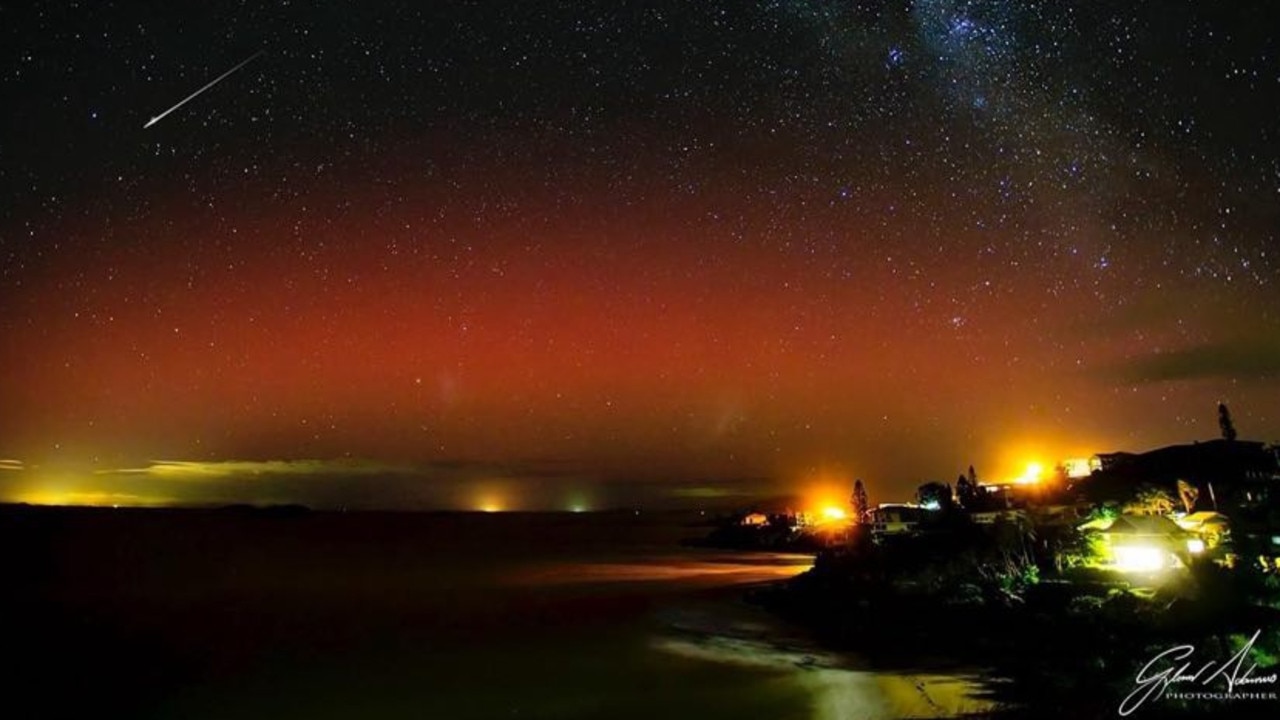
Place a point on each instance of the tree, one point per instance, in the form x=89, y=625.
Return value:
x=861, y=509
x=966, y=492
x=1224, y=422
x=1188, y=494
x=935, y=495
x=1150, y=500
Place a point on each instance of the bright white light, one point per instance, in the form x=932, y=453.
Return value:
x=931, y=505
x=1139, y=558
x=1195, y=546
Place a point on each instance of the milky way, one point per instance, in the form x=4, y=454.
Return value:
x=640, y=242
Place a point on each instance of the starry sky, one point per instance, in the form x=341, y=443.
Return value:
x=626, y=251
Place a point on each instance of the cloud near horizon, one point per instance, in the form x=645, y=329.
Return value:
x=1251, y=358
x=194, y=469
x=363, y=484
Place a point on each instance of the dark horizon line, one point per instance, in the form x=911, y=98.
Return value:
x=327, y=510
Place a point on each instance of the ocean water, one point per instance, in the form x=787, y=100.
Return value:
x=181, y=614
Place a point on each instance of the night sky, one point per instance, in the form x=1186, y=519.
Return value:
x=626, y=251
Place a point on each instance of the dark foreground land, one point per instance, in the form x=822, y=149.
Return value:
x=1066, y=644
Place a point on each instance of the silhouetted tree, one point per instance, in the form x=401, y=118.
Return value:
x=1150, y=500
x=1224, y=422
x=861, y=508
x=935, y=493
x=966, y=492
x=973, y=477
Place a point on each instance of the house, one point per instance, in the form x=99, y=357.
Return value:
x=995, y=497
x=1015, y=516
x=1058, y=515
x=1211, y=527
x=1144, y=543
x=896, y=519
x=1228, y=474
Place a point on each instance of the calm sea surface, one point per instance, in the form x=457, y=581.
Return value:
x=172, y=614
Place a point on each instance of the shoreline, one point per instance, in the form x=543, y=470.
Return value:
x=731, y=627
x=1052, y=649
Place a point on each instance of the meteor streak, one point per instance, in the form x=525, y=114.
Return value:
x=192, y=96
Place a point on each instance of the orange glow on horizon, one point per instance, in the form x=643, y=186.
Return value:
x=1032, y=474
x=833, y=514
x=1012, y=460
x=826, y=494
x=53, y=497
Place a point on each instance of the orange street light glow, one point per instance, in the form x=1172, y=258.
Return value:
x=1032, y=474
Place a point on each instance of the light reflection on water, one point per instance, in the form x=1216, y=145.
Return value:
x=732, y=635
x=836, y=688
x=701, y=570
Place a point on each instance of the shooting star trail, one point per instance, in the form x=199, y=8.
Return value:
x=192, y=96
